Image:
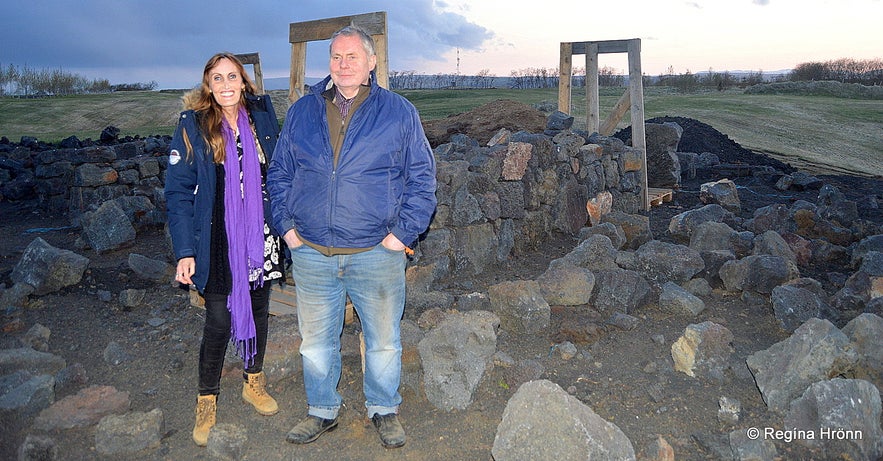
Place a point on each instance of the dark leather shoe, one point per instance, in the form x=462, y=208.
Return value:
x=310, y=429
x=392, y=435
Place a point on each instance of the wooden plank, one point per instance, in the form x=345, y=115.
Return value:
x=283, y=300
x=658, y=196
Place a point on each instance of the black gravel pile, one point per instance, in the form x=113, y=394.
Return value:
x=699, y=137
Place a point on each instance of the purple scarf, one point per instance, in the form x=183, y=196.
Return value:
x=244, y=210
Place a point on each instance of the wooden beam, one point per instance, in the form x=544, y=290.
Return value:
x=593, y=98
x=381, y=71
x=604, y=46
x=297, y=77
x=253, y=59
x=299, y=33
x=323, y=29
x=609, y=125
x=259, y=78
x=248, y=58
x=636, y=88
x=565, y=69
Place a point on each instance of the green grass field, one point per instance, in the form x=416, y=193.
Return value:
x=815, y=133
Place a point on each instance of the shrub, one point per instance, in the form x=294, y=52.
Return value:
x=824, y=88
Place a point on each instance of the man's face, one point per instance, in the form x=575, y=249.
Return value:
x=350, y=65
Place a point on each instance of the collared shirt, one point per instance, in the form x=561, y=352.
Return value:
x=343, y=103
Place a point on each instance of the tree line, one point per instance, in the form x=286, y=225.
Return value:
x=865, y=72
x=530, y=77
x=27, y=82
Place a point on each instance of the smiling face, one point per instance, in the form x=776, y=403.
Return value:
x=226, y=84
x=350, y=64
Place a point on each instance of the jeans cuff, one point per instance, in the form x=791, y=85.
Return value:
x=380, y=410
x=324, y=413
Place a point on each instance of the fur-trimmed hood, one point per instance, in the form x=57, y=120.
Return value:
x=188, y=100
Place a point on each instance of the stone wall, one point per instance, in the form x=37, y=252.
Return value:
x=75, y=180
x=496, y=200
x=507, y=197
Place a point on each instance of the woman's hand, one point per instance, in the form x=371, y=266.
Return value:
x=186, y=268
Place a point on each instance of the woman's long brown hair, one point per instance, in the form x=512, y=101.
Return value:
x=210, y=115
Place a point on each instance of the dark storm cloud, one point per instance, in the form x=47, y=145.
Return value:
x=159, y=40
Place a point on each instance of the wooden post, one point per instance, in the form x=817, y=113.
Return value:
x=633, y=97
x=593, y=100
x=565, y=69
x=297, y=77
x=299, y=33
x=255, y=60
x=380, y=49
x=636, y=89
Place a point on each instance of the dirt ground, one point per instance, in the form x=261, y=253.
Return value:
x=627, y=377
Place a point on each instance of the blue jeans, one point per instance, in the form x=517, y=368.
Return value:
x=375, y=283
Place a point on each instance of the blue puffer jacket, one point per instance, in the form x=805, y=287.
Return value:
x=191, y=180
x=384, y=181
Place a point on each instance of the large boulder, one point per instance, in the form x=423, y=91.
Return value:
x=455, y=356
x=542, y=421
x=843, y=416
x=816, y=351
x=47, y=268
x=662, y=146
x=520, y=306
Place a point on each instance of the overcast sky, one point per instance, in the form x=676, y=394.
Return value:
x=168, y=42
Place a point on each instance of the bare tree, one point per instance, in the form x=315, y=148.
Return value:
x=608, y=76
x=866, y=72
x=753, y=78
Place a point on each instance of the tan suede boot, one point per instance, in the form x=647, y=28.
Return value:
x=254, y=391
x=206, y=407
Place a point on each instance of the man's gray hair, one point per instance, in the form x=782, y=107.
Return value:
x=350, y=31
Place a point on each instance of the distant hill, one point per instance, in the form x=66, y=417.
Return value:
x=281, y=83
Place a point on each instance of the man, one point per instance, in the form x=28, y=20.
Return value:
x=352, y=183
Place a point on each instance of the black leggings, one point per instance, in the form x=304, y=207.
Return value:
x=216, y=336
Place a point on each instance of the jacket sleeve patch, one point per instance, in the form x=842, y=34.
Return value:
x=174, y=157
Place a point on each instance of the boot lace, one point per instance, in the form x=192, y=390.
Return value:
x=205, y=410
x=257, y=385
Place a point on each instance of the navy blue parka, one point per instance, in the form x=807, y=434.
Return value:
x=191, y=183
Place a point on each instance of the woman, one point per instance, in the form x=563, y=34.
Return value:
x=218, y=211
